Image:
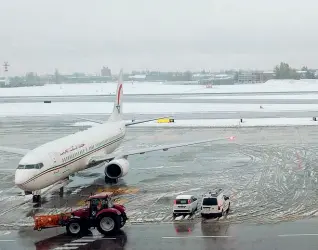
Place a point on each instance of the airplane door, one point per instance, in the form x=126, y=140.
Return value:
x=54, y=157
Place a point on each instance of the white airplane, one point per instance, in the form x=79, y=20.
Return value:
x=56, y=160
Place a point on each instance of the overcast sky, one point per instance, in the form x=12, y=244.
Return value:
x=84, y=35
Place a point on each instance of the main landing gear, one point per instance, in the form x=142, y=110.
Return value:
x=110, y=180
x=61, y=192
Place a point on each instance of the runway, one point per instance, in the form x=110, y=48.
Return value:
x=171, y=98
x=269, y=173
x=181, y=99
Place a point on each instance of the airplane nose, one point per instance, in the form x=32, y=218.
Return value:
x=21, y=176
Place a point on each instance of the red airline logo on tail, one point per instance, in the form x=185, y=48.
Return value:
x=118, y=97
x=119, y=91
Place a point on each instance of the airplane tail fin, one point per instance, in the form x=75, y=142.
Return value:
x=118, y=106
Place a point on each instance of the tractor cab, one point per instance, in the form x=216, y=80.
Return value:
x=99, y=202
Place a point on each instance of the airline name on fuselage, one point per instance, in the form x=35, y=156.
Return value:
x=90, y=148
x=72, y=148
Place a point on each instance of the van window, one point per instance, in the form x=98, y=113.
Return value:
x=210, y=202
x=182, y=201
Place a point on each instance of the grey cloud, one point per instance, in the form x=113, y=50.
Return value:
x=160, y=34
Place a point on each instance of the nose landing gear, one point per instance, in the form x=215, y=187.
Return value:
x=36, y=198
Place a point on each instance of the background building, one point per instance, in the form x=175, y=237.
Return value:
x=254, y=76
x=106, y=72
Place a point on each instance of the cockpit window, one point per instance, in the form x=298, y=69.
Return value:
x=31, y=166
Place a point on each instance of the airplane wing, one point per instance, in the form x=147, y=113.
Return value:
x=19, y=151
x=151, y=149
x=142, y=121
x=127, y=124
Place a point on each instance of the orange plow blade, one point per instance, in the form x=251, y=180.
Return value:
x=48, y=221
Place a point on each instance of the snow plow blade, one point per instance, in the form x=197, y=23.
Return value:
x=49, y=221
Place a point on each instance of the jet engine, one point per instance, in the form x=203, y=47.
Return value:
x=117, y=168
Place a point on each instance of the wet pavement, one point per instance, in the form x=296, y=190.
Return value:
x=270, y=174
x=189, y=235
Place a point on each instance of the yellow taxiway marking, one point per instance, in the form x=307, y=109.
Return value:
x=116, y=191
x=120, y=201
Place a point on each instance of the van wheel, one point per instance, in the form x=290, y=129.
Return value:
x=228, y=209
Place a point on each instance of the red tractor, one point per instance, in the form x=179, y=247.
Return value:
x=101, y=213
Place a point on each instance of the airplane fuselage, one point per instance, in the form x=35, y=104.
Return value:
x=56, y=160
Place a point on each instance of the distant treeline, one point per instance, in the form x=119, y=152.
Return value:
x=281, y=71
x=284, y=71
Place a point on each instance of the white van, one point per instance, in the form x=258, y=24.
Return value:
x=185, y=204
x=215, y=204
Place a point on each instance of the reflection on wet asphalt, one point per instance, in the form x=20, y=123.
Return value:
x=182, y=235
x=269, y=173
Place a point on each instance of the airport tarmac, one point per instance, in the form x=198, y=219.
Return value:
x=179, y=236
x=270, y=174
x=169, y=98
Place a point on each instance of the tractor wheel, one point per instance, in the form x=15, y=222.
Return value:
x=123, y=219
x=76, y=227
x=108, y=223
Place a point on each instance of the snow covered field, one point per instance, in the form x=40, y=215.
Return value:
x=258, y=97
x=59, y=108
x=264, y=122
x=159, y=88
x=169, y=109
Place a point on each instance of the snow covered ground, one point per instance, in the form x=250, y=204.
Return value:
x=258, y=97
x=159, y=88
x=59, y=108
x=264, y=122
